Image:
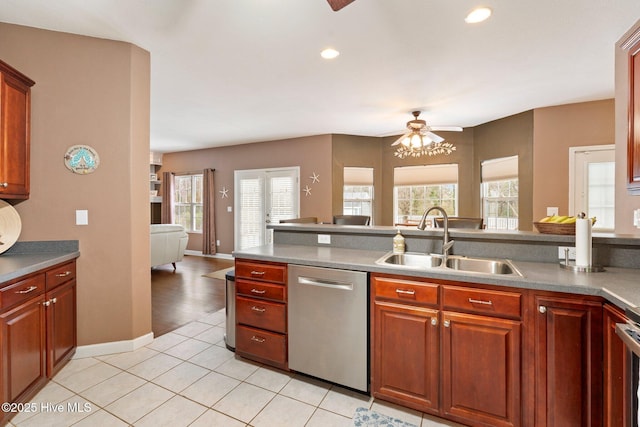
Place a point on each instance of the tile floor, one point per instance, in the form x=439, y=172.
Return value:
x=188, y=378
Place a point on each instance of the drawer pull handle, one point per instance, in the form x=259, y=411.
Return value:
x=257, y=273
x=258, y=291
x=478, y=301
x=65, y=274
x=258, y=339
x=26, y=291
x=258, y=309
x=405, y=292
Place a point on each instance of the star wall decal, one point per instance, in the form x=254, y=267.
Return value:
x=315, y=178
x=224, y=192
x=307, y=190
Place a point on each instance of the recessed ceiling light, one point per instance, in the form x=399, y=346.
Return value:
x=478, y=14
x=329, y=53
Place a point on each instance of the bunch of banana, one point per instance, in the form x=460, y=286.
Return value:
x=563, y=219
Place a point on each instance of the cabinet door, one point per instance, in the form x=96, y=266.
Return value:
x=405, y=355
x=14, y=138
x=61, y=326
x=616, y=378
x=481, y=369
x=22, y=337
x=568, y=362
x=633, y=137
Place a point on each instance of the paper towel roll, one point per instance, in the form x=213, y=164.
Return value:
x=583, y=242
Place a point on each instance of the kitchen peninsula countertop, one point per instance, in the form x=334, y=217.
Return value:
x=620, y=286
x=28, y=257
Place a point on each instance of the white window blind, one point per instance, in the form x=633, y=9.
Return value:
x=426, y=175
x=358, y=176
x=501, y=169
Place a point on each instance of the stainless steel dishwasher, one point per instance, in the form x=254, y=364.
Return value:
x=328, y=324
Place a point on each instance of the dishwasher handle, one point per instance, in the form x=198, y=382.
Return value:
x=333, y=284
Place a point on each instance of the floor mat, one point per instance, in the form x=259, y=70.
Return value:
x=367, y=418
x=219, y=274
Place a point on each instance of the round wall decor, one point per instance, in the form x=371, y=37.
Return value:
x=10, y=226
x=81, y=159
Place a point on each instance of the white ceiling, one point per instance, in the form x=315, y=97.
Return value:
x=228, y=72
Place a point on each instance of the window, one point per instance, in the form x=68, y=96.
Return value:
x=358, y=191
x=499, y=193
x=417, y=188
x=187, y=206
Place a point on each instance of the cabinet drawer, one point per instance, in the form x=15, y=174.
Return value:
x=405, y=291
x=261, y=314
x=482, y=301
x=261, y=271
x=61, y=274
x=260, y=290
x=262, y=344
x=21, y=291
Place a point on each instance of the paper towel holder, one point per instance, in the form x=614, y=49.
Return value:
x=571, y=265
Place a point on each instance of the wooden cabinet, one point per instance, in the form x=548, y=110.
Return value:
x=633, y=133
x=616, y=377
x=568, y=361
x=37, y=330
x=261, y=312
x=435, y=337
x=15, y=113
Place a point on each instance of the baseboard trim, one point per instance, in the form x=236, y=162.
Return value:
x=106, y=348
x=199, y=253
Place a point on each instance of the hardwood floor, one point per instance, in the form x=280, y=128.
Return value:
x=183, y=296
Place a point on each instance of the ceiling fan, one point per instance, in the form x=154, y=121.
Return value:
x=336, y=5
x=420, y=141
x=420, y=127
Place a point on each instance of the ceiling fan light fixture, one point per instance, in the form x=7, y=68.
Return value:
x=329, y=53
x=420, y=141
x=478, y=14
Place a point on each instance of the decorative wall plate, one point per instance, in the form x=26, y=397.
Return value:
x=81, y=159
x=10, y=226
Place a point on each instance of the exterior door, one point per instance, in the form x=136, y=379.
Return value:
x=264, y=196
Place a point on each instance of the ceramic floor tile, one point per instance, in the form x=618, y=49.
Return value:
x=176, y=412
x=212, y=357
x=112, y=389
x=62, y=414
x=51, y=393
x=244, y=402
x=192, y=329
x=269, y=378
x=283, y=412
x=212, y=335
x=344, y=402
x=216, y=318
x=187, y=349
x=307, y=390
x=215, y=418
x=396, y=411
x=154, y=367
x=181, y=377
x=101, y=418
x=88, y=377
x=131, y=358
x=76, y=365
x=166, y=341
x=210, y=389
x=133, y=406
x=322, y=418
x=238, y=368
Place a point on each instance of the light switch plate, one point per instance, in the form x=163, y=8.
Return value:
x=82, y=217
x=324, y=239
x=551, y=211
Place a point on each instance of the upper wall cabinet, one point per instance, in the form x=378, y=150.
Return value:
x=633, y=143
x=15, y=114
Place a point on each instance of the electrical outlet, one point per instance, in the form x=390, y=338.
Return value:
x=551, y=211
x=636, y=218
x=217, y=242
x=572, y=252
x=324, y=239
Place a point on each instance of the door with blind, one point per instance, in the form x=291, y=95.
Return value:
x=263, y=197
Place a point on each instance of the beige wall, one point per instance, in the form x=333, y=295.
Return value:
x=625, y=203
x=95, y=92
x=556, y=129
x=311, y=154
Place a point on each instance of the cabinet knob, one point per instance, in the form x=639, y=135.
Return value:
x=447, y=323
x=54, y=300
x=434, y=321
x=542, y=309
x=46, y=303
x=4, y=184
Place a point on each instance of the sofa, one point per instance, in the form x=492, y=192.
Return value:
x=168, y=243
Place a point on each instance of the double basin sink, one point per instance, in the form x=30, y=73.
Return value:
x=420, y=261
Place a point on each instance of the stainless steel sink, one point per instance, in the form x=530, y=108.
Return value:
x=421, y=261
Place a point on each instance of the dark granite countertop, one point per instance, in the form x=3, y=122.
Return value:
x=28, y=257
x=620, y=286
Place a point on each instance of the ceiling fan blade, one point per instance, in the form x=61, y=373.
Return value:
x=399, y=140
x=447, y=128
x=336, y=5
x=435, y=138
